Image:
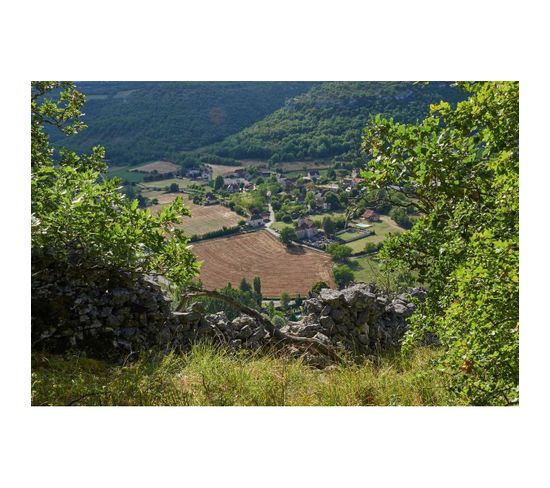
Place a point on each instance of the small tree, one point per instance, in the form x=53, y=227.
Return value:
x=332, y=200
x=270, y=309
x=218, y=183
x=285, y=300
x=317, y=287
x=244, y=285
x=257, y=285
x=329, y=226
x=371, y=247
x=343, y=275
x=287, y=219
x=339, y=252
x=174, y=188
x=400, y=216
x=287, y=236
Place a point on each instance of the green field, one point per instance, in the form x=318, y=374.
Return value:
x=359, y=245
x=346, y=236
x=382, y=229
x=279, y=226
x=366, y=269
x=320, y=217
x=182, y=182
x=124, y=173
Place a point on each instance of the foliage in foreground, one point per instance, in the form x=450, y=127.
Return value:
x=80, y=218
x=212, y=376
x=460, y=167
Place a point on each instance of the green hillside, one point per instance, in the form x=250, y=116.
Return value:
x=140, y=121
x=327, y=120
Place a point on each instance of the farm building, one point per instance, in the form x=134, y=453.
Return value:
x=305, y=229
x=370, y=215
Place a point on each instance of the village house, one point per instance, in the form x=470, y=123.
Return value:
x=370, y=215
x=351, y=182
x=305, y=229
x=256, y=219
x=233, y=185
x=329, y=187
x=210, y=199
x=320, y=201
x=313, y=174
x=194, y=174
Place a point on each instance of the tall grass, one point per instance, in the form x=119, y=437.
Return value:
x=213, y=376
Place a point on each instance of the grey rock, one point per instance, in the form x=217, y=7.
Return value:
x=337, y=315
x=322, y=338
x=326, y=322
x=245, y=332
x=401, y=309
x=326, y=310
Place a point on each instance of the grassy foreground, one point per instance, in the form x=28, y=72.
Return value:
x=212, y=376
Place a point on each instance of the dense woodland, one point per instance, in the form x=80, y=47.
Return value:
x=140, y=121
x=219, y=122
x=327, y=120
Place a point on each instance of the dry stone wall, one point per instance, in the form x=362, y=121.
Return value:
x=113, y=318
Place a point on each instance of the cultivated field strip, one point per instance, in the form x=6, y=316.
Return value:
x=228, y=260
x=204, y=218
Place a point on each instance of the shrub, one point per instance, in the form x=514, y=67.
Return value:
x=343, y=275
x=465, y=244
x=80, y=217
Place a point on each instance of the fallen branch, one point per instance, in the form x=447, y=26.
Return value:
x=274, y=332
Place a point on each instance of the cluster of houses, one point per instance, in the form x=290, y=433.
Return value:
x=240, y=180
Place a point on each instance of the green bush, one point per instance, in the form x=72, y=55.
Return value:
x=462, y=172
x=343, y=275
x=80, y=217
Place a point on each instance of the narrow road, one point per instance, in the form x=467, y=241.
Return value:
x=271, y=220
x=271, y=216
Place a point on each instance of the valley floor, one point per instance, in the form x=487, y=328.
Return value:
x=211, y=376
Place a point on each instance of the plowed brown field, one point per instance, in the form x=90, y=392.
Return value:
x=204, y=218
x=160, y=166
x=229, y=259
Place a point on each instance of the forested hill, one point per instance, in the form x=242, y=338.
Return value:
x=139, y=121
x=328, y=119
